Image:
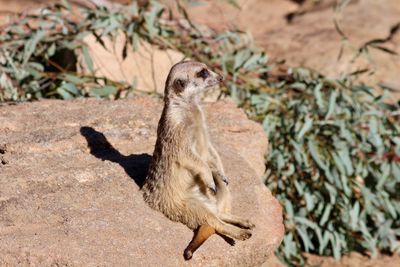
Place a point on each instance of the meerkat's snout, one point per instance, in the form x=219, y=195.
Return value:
x=215, y=80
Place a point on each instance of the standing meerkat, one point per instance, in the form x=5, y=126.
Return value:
x=186, y=179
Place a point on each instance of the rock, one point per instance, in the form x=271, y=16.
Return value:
x=69, y=194
x=146, y=67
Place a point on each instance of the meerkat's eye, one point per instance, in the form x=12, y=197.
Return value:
x=204, y=73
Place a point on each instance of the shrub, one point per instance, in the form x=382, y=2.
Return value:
x=334, y=165
x=38, y=55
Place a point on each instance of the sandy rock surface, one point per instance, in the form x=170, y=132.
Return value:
x=70, y=176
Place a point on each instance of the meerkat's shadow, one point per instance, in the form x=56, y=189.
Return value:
x=135, y=165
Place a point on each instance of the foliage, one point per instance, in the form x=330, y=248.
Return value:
x=38, y=55
x=334, y=156
x=335, y=164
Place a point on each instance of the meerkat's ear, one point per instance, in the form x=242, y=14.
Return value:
x=179, y=85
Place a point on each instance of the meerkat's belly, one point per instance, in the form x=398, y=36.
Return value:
x=199, y=144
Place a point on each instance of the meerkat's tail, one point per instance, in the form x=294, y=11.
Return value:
x=200, y=236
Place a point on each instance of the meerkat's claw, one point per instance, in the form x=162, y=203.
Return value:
x=213, y=189
x=244, y=234
x=225, y=180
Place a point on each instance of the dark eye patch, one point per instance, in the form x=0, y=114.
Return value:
x=179, y=85
x=204, y=73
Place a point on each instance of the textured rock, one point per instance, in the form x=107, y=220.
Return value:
x=70, y=180
x=147, y=66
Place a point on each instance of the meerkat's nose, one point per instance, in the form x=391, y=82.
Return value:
x=220, y=78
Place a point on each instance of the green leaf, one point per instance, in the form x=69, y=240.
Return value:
x=30, y=46
x=150, y=18
x=318, y=96
x=332, y=104
x=252, y=62
x=336, y=246
x=306, y=127
x=63, y=93
x=88, y=58
x=331, y=191
x=327, y=236
x=71, y=88
x=103, y=91
x=315, y=155
x=309, y=201
x=52, y=50
x=299, y=187
x=325, y=215
x=354, y=215
x=338, y=163
x=73, y=79
x=289, y=209
x=345, y=158
x=306, y=222
x=240, y=58
x=304, y=238
x=298, y=86
x=396, y=170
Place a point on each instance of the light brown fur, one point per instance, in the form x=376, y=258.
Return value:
x=186, y=179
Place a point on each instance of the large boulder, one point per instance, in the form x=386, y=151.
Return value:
x=70, y=177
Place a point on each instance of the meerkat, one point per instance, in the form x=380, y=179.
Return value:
x=186, y=179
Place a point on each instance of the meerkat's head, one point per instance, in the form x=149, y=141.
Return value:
x=188, y=79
